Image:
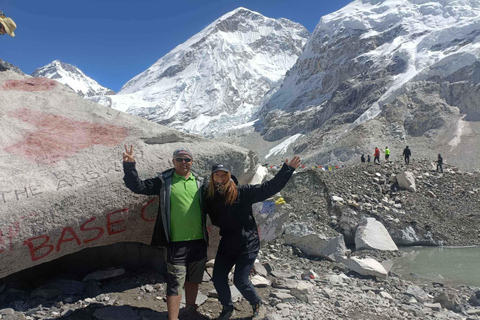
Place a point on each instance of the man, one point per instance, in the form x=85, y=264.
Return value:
x=362, y=158
x=7, y=25
x=376, y=156
x=406, y=154
x=387, y=153
x=440, y=163
x=180, y=225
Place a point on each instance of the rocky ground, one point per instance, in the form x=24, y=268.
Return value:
x=293, y=287
x=443, y=210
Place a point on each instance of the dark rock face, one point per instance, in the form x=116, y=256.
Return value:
x=4, y=66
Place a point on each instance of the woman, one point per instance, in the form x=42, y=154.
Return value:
x=230, y=208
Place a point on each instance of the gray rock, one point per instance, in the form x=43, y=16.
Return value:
x=116, y=313
x=475, y=299
x=303, y=291
x=48, y=291
x=152, y=315
x=64, y=182
x=260, y=282
x=417, y=292
x=70, y=287
x=366, y=267
x=433, y=306
x=406, y=180
x=449, y=301
x=315, y=244
x=201, y=298
x=260, y=269
x=104, y=274
x=92, y=289
x=7, y=311
x=283, y=296
x=371, y=234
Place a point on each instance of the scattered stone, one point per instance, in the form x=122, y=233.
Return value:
x=260, y=282
x=149, y=288
x=433, y=306
x=210, y=263
x=475, y=299
x=104, y=274
x=116, y=313
x=201, y=298
x=386, y=295
x=366, y=267
x=92, y=289
x=260, y=269
x=449, y=301
x=7, y=311
x=418, y=293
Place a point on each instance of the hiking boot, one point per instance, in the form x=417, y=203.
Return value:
x=190, y=313
x=227, y=313
x=259, y=311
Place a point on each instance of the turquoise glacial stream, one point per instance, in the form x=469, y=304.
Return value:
x=448, y=265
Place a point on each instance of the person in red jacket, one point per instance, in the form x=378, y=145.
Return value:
x=376, y=156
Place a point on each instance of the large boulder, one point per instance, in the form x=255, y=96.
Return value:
x=61, y=187
x=372, y=234
x=406, y=180
x=315, y=244
x=366, y=267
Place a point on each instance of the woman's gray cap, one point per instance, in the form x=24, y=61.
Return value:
x=181, y=151
x=219, y=167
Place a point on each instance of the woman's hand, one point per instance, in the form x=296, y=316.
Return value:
x=128, y=155
x=295, y=163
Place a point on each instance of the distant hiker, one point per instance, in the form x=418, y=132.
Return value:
x=362, y=158
x=7, y=25
x=406, y=154
x=387, y=153
x=230, y=208
x=440, y=163
x=368, y=158
x=376, y=156
x=184, y=233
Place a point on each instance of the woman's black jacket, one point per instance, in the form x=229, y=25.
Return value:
x=236, y=222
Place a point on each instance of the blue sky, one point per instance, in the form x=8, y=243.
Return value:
x=114, y=40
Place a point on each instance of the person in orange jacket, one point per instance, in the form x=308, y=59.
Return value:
x=376, y=156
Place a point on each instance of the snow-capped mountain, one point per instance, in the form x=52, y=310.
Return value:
x=217, y=79
x=73, y=78
x=386, y=72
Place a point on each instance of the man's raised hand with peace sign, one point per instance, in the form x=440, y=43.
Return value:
x=128, y=155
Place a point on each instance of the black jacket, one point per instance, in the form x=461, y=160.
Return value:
x=159, y=186
x=407, y=153
x=236, y=222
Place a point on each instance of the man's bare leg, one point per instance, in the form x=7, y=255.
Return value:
x=191, y=290
x=173, y=306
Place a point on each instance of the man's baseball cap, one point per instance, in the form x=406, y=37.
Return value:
x=219, y=167
x=182, y=151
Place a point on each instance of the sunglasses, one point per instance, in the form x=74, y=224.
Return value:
x=187, y=160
